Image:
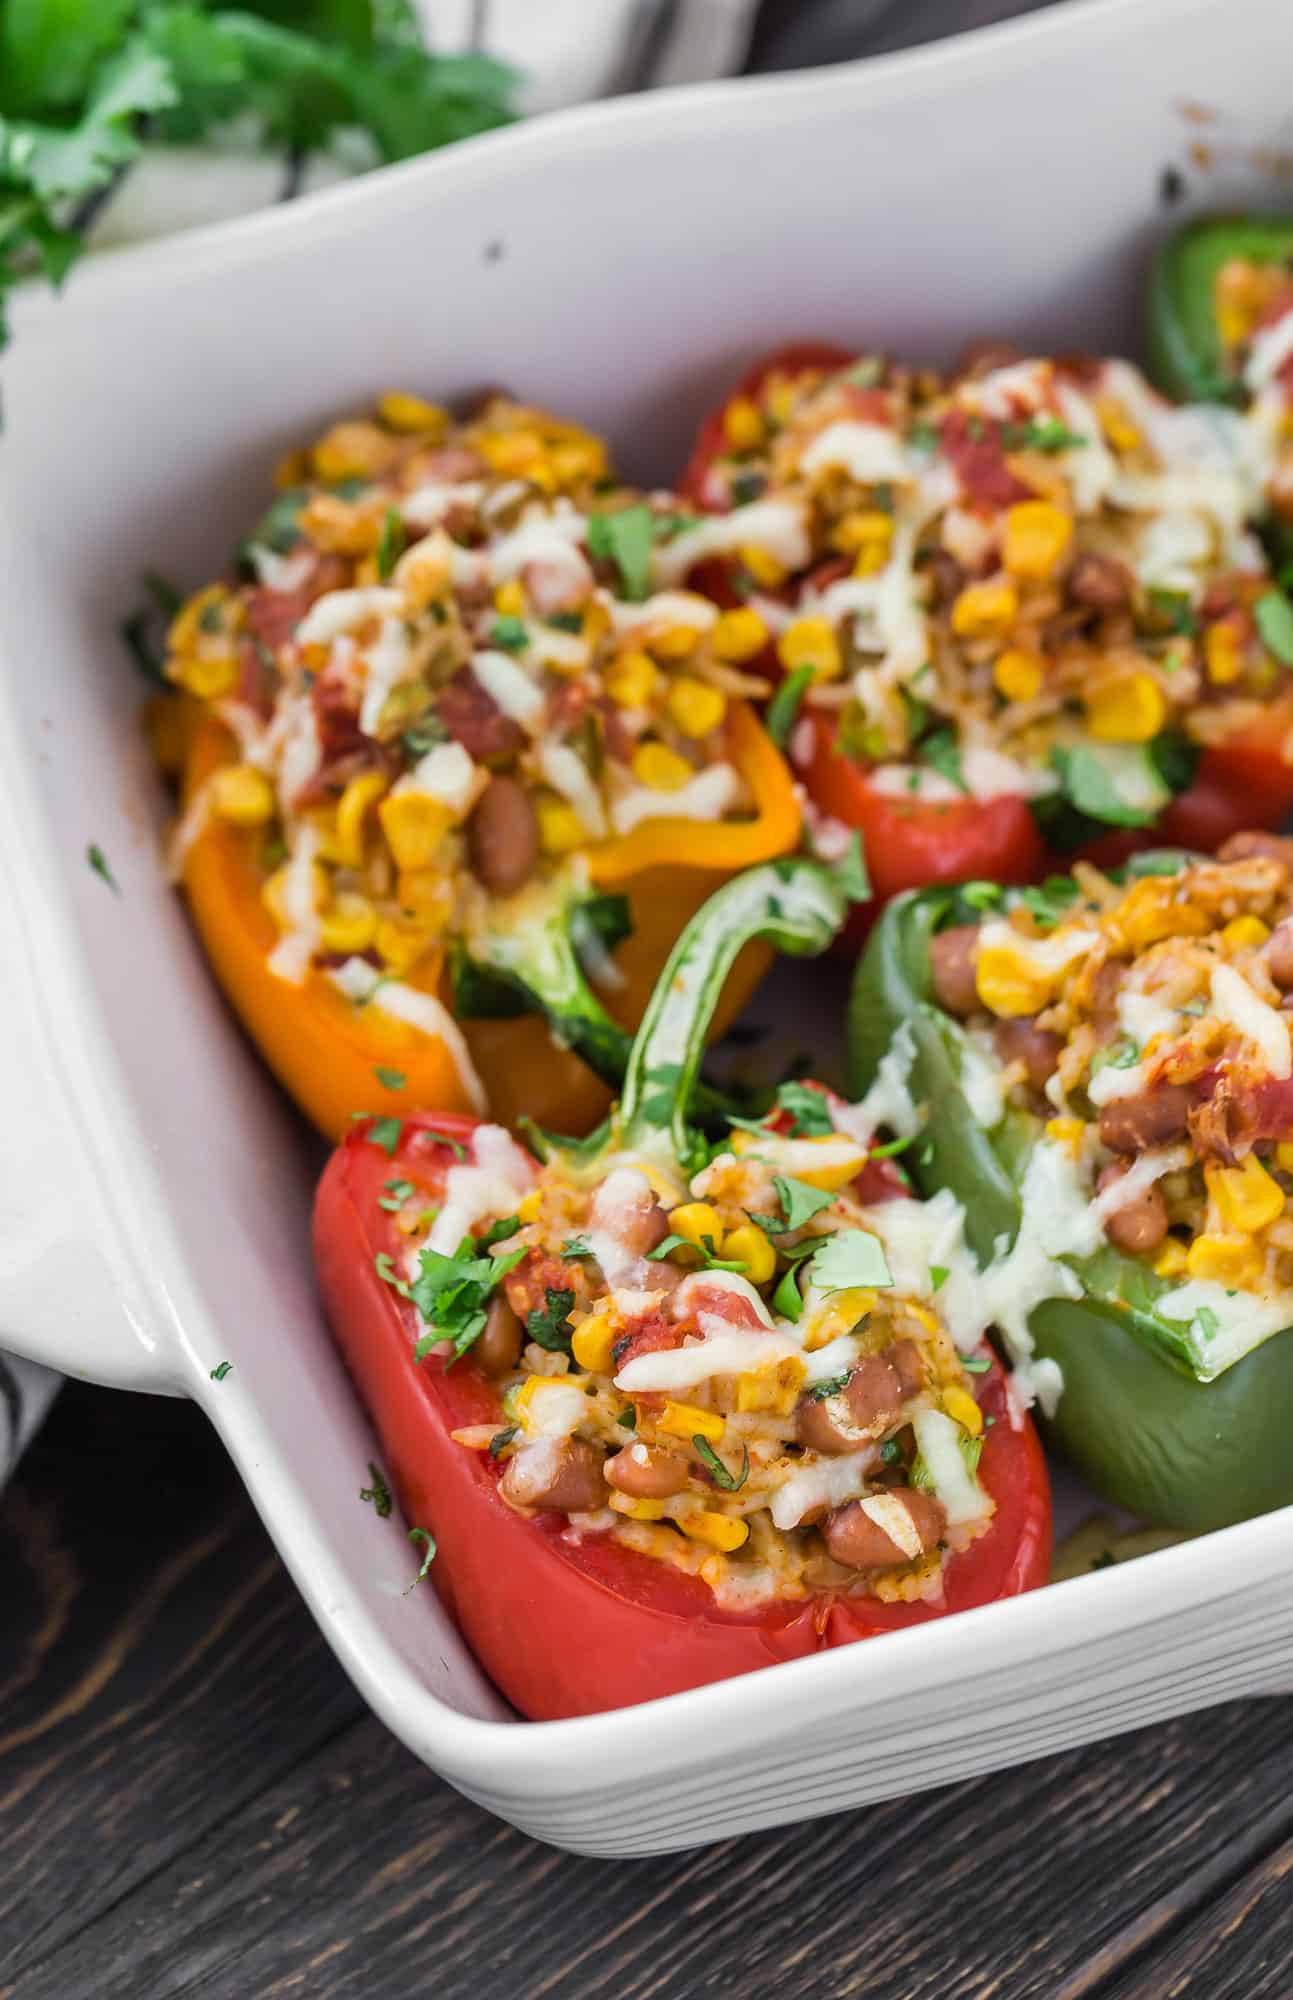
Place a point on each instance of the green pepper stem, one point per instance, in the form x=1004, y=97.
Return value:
x=797, y=905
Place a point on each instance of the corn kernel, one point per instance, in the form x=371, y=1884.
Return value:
x=1130, y=709
x=293, y=469
x=1036, y=540
x=963, y=1410
x=721, y=1531
x=1224, y=1258
x=400, y=945
x=341, y=527
x=695, y=1220
x=688, y=1420
x=1244, y=932
x=1008, y=985
x=577, y=459
x=742, y=424
x=1221, y=654
x=811, y=642
x=1152, y=910
x=695, y=706
x=509, y=598
x=638, y=1510
x=738, y=635
x=517, y=455
x=345, y=841
x=274, y=894
x=1284, y=1156
x=528, y=1207
x=1116, y=424
x=780, y=393
x=350, y=924
x=414, y=826
x=207, y=678
x=1018, y=674
x=632, y=680
x=1171, y=1260
x=560, y=828
x=840, y=1314
x=400, y=411
x=592, y=1341
x=206, y=609
x=660, y=768
x=673, y=642
x=1246, y=1195
x=766, y=569
x=863, y=531
x=774, y=1387
x=984, y=610
x=1066, y=1132
x=353, y=451
x=243, y=794
x=749, y=1246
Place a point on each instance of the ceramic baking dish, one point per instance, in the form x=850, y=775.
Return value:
x=615, y=262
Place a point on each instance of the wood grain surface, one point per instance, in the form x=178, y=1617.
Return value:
x=193, y=1802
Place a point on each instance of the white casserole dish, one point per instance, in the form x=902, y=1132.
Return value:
x=616, y=263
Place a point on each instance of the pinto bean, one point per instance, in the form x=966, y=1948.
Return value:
x=1022, y=1041
x=1151, y=1118
x=497, y=1348
x=1279, y=954
x=503, y=836
x=1140, y=1225
x=474, y=719
x=646, y=1472
x=870, y=1401
x=951, y=964
x=858, y=1541
x=1267, y=846
x=626, y=1209
x=1105, y=986
x=563, y=1473
x=1100, y=582
x=946, y=578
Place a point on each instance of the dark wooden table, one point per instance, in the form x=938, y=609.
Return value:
x=193, y=1801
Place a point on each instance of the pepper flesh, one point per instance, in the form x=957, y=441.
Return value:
x=324, y=1050
x=1146, y=1435
x=1186, y=353
x=575, y=1624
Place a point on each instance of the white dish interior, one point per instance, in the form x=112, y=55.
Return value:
x=616, y=263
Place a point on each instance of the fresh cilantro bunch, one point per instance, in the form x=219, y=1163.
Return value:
x=87, y=85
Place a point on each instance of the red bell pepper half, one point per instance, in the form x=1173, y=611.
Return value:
x=568, y=1619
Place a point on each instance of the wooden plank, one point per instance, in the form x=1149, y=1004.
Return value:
x=156, y=1670
x=192, y=1802
x=1241, y=1946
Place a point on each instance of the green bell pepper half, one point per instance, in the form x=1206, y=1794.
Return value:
x=1186, y=355
x=1135, y=1421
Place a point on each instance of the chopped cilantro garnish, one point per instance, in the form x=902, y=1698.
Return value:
x=428, y=1540
x=852, y=1257
x=783, y=710
x=1048, y=901
x=799, y=1204
x=787, y=1299
x=576, y=1246
x=385, y=1132
x=1122, y=1054
x=747, y=486
x=891, y=1148
x=923, y=437
x=390, y=1079
x=501, y=1439
x=384, y=1265
x=221, y=1369
x=941, y=752
x=807, y=1109
x=390, y=543
x=728, y=1481
x=891, y=1452
x=628, y=1418
x=453, y=1293
x=395, y=1194
x=981, y=895
x=625, y=538
x=1207, y=1322
x=710, y=1260
x=938, y=1276
x=549, y=1324
x=1040, y=433
x=425, y=735
x=379, y=1493
x=976, y=1364
x=498, y=1232
x=1173, y=606
x=510, y=633
x=98, y=861
x=1274, y=615
x=455, y=1146
x=566, y=621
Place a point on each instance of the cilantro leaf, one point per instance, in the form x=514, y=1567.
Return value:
x=625, y=538
x=379, y=1493
x=941, y=752
x=512, y=634
x=729, y=1482
x=1048, y=901
x=807, y=1110
x=428, y=1541
x=501, y=1439
x=549, y=1324
x=783, y=710
x=1045, y=432
x=851, y=1257
x=1207, y=1322
x=577, y=1246
x=390, y=543
x=709, y=1260
x=800, y=1202
x=455, y=1146
x=221, y=1369
x=975, y=1364
x=1274, y=615
x=390, y=1079
x=395, y=1194
x=98, y=861
x=385, y=1132
x=452, y=1294
x=787, y=1299
x=938, y=1275
x=1174, y=608
x=821, y=1390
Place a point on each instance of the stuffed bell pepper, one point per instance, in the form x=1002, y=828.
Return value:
x=666, y=1406
x=461, y=749
x=1033, y=618
x=1098, y=1077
